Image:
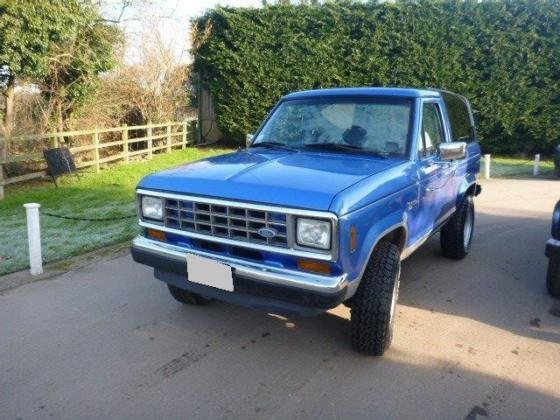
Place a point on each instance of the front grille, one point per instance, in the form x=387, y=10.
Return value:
x=233, y=222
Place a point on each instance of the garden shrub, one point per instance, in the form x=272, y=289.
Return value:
x=503, y=55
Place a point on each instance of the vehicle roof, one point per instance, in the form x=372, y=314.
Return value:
x=365, y=91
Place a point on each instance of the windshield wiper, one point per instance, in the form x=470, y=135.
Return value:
x=274, y=145
x=348, y=147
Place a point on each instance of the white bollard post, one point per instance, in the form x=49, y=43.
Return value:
x=486, y=166
x=536, y=164
x=34, y=238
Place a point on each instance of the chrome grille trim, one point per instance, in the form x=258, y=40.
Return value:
x=292, y=247
x=233, y=222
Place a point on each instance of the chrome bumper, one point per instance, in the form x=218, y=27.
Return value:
x=250, y=270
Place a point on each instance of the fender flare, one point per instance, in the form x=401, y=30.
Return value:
x=378, y=231
x=468, y=182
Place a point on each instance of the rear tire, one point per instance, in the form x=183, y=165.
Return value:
x=188, y=298
x=373, y=305
x=553, y=277
x=456, y=235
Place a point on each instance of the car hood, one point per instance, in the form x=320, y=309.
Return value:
x=290, y=179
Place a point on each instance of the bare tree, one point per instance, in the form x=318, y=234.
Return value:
x=155, y=85
x=151, y=88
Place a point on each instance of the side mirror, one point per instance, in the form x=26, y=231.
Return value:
x=453, y=151
x=248, y=140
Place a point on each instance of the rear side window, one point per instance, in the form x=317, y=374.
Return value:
x=460, y=118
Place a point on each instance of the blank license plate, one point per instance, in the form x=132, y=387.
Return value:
x=209, y=272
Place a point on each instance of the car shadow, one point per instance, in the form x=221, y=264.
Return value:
x=500, y=283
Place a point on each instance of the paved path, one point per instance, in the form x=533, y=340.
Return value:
x=473, y=338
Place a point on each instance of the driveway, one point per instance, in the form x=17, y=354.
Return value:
x=475, y=338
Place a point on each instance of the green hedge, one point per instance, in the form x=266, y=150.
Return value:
x=503, y=55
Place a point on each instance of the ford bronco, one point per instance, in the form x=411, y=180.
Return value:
x=333, y=191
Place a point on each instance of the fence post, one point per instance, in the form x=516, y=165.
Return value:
x=125, y=143
x=149, y=139
x=168, y=138
x=536, y=164
x=486, y=166
x=4, y=146
x=1, y=181
x=3, y=157
x=34, y=238
x=184, y=136
x=96, y=150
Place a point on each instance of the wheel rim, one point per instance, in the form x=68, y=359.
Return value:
x=468, y=229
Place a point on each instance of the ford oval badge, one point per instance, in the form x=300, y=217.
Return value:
x=267, y=232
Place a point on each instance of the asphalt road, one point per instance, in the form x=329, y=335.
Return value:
x=473, y=338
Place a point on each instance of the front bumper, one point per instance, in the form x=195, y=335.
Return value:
x=552, y=249
x=256, y=285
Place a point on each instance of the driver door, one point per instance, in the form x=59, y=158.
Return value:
x=435, y=176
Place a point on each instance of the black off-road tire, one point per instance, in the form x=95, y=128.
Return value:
x=553, y=277
x=373, y=306
x=186, y=297
x=456, y=236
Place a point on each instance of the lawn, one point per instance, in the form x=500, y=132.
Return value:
x=504, y=167
x=109, y=193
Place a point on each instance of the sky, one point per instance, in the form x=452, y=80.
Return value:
x=174, y=16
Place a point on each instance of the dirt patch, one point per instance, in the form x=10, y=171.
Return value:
x=535, y=322
x=475, y=412
x=180, y=363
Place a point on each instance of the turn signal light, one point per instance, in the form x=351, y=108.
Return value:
x=353, y=238
x=156, y=234
x=314, y=266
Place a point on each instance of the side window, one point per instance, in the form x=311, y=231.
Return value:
x=459, y=117
x=432, y=130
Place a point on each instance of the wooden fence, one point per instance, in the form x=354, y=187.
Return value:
x=96, y=147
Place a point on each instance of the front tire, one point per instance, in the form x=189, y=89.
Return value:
x=456, y=235
x=373, y=306
x=188, y=298
x=553, y=276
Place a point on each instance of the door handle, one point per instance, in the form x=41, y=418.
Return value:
x=431, y=167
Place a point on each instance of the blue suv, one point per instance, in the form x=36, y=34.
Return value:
x=333, y=191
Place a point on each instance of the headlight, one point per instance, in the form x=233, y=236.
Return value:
x=314, y=233
x=152, y=207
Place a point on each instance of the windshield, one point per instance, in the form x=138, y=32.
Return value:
x=373, y=125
